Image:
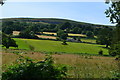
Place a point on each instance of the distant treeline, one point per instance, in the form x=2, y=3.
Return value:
x=49, y=25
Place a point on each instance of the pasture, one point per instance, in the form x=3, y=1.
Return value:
x=56, y=46
x=69, y=34
x=53, y=37
x=88, y=40
x=46, y=37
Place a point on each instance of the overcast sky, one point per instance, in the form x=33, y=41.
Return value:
x=91, y=12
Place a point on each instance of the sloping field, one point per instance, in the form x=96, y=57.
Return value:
x=56, y=46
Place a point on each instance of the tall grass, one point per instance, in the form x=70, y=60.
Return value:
x=79, y=66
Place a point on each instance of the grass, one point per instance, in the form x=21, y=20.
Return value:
x=88, y=40
x=53, y=37
x=56, y=46
x=80, y=66
x=22, y=44
x=70, y=34
x=47, y=37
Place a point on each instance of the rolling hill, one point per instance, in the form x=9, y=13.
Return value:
x=53, y=21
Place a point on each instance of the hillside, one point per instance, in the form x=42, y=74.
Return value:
x=53, y=21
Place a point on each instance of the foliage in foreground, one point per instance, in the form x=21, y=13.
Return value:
x=27, y=69
x=114, y=14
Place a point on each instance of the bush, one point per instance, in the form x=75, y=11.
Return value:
x=90, y=34
x=114, y=49
x=117, y=57
x=116, y=74
x=27, y=69
x=64, y=42
x=100, y=52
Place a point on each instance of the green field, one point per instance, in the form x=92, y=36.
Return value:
x=56, y=46
x=88, y=40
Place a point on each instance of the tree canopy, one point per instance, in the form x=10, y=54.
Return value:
x=1, y=2
x=7, y=41
x=114, y=14
x=105, y=36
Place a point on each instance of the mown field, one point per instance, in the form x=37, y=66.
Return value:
x=56, y=46
x=79, y=66
x=69, y=34
x=54, y=37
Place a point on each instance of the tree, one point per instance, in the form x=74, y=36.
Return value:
x=8, y=30
x=7, y=22
x=115, y=49
x=114, y=11
x=7, y=27
x=62, y=35
x=65, y=26
x=34, y=28
x=100, y=52
x=8, y=42
x=90, y=34
x=1, y=2
x=79, y=39
x=28, y=34
x=114, y=14
x=104, y=37
x=76, y=30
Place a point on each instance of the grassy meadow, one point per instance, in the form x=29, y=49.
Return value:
x=55, y=46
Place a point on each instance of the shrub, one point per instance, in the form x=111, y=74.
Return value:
x=116, y=74
x=27, y=69
x=100, y=52
x=90, y=34
x=64, y=42
x=114, y=49
x=117, y=57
